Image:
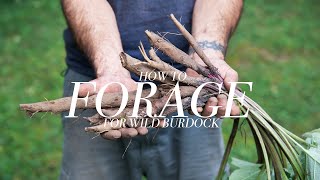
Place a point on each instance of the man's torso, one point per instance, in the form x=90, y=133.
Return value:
x=133, y=18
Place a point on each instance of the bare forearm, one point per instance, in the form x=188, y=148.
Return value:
x=213, y=23
x=95, y=29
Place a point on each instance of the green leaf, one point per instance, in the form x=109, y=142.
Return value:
x=313, y=155
x=247, y=173
x=313, y=137
x=313, y=165
x=241, y=163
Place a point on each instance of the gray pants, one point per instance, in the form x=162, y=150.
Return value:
x=170, y=153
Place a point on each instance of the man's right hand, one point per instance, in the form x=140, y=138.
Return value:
x=122, y=76
x=95, y=29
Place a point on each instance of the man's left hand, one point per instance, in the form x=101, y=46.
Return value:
x=229, y=75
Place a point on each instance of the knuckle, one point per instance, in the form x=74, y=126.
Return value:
x=132, y=132
x=222, y=109
x=116, y=136
x=107, y=136
x=221, y=96
x=234, y=74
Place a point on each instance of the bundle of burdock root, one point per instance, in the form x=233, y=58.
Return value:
x=281, y=154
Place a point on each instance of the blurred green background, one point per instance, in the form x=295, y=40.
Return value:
x=276, y=46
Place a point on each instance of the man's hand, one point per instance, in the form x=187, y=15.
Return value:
x=123, y=77
x=94, y=26
x=229, y=75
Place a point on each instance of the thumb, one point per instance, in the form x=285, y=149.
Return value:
x=191, y=72
x=87, y=89
x=231, y=76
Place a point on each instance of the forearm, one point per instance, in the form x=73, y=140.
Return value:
x=213, y=23
x=95, y=29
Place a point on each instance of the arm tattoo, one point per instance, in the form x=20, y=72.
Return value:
x=210, y=45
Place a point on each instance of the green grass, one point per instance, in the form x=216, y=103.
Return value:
x=31, y=61
x=275, y=46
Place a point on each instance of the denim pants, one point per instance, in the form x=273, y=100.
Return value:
x=168, y=153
